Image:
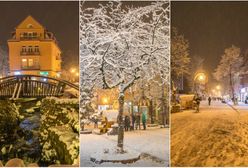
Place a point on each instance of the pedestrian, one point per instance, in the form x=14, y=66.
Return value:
x=209, y=101
x=133, y=121
x=95, y=119
x=127, y=123
x=197, y=100
x=144, y=120
x=137, y=123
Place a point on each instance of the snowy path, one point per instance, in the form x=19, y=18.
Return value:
x=154, y=142
x=217, y=136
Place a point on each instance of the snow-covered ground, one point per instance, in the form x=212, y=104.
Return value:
x=154, y=142
x=217, y=136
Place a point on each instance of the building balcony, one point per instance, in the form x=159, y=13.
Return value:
x=36, y=67
x=29, y=38
x=30, y=53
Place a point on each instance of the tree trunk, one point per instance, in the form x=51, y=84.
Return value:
x=166, y=105
x=163, y=106
x=151, y=111
x=121, y=122
x=231, y=85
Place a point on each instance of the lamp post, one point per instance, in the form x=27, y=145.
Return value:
x=74, y=74
x=200, y=78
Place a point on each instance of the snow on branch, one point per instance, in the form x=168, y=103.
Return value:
x=120, y=44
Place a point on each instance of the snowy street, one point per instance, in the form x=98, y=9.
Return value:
x=217, y=136
x=152, y=143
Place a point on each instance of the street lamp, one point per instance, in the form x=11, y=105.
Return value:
x=200, y=78
x=218, y=87
x=73, y=70
x=105, y=100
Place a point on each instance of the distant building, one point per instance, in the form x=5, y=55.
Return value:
x=33, y=50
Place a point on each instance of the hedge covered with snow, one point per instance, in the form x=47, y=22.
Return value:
x=60, y=130
x=9, y=117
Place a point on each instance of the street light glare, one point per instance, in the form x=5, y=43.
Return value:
x=73, y=70
x=201, y=77
x=218, y=87
x=105, y=100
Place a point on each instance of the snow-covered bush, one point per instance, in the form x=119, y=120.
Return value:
x=59, y=130
x=9, y=116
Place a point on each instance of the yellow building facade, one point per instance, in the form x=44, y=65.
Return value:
x=33, y=50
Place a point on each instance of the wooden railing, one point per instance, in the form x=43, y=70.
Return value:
x=33, y=86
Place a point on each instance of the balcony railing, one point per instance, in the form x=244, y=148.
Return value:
x=30, y=53
x=29, y=38
x=35, y=67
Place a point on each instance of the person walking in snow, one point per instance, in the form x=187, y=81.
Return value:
x=127, y=123
x=95, y=119
x=197, y=100
x=133, y=122
x=209, y=101
x=137, y=121
x=144, y=120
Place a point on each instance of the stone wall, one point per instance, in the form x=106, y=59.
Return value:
x=59, y=130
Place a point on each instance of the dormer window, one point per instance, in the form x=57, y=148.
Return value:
x=30, y=26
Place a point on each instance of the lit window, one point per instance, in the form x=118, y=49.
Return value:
x=24, y=63
x=17, y=73
x=30, y=62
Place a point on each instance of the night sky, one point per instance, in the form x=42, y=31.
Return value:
x=211, y=27
x=60, y=18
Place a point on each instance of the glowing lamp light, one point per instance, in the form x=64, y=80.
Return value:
x=58, y=75
x=77, y=74
x=17, y=73
x=201, y=77
x=73, y=70
x=105, y=100
x=218, y=87
x=44, y=73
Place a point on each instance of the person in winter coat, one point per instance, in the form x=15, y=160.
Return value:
x=95, y=119
x=127, y=123
x=197, y=100
x=209, y=101
x=133, y=121
x=137, y=123
x=144, y=120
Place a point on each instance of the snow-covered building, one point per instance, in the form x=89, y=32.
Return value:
x=33, y=50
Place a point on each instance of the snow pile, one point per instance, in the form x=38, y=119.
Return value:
x=60, y=130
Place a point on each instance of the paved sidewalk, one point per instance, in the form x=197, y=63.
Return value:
x=216, y=136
